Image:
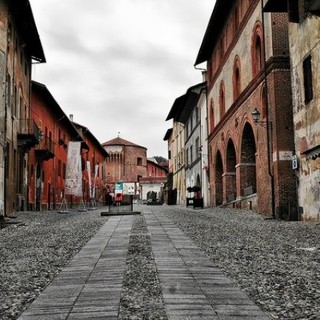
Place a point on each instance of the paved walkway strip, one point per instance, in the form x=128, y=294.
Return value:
x=193, y=287
x=90, y=286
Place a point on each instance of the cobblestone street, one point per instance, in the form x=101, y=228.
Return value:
x=274, y=263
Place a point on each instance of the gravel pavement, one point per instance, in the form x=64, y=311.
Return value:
x=276, y=263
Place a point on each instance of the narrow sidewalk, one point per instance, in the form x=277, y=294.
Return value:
x=192, y=286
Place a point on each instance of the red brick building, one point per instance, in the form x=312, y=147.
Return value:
x=248, y=72
x=127, y=162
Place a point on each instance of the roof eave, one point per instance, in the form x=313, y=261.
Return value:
x=22, y=12
x=212, y=34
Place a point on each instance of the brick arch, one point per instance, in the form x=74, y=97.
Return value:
x=257, y=49
x=230, y=172
x=222, y=100
x=236, y=78
x=247, y=163
x=218, y=186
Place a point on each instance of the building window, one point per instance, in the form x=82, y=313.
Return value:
x=222, y=103
x=197, y=115
x=64, y=169
x=307, y=77
x=293, y=11
x=198, y=149
x=139, y=161
x=236, y=78
x=257, y=50
x=187, y=156
x=211, y=115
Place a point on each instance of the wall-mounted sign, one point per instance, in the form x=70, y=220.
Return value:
x=294, y=162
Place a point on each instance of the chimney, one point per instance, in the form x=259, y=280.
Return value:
x=71, y=117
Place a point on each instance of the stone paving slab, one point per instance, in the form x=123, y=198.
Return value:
x=193, y=287
x=93, y=279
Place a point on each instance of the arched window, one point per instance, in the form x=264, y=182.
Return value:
x=211, y=116
x=222, y=102
x=257, y=49
x=236, y=78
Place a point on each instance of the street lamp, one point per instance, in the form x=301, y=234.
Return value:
x=256, y=115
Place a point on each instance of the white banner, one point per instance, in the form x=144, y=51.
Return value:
x=73, y=182
x=94, y=181
x=89, y=178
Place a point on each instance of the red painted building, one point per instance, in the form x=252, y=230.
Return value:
x=48, y=159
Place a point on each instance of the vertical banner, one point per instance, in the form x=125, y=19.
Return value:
x=89, y=179
x=73, y=182
x=94, y=180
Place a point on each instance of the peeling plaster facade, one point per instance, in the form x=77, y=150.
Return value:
x=305, y=41
x=304, y=46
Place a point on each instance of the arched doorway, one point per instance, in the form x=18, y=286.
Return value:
x=230, y=175
x=248, y=181
x=218, y=180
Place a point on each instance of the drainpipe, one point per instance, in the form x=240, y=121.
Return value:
x=6, y=95
x=269, y=127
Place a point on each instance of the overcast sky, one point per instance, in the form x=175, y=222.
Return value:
x=118, y=66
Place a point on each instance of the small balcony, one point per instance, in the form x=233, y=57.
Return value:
x=28, y=134
x=45, y=149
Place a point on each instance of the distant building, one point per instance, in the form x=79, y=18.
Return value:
x=127, y=163
x=177, y=164
x=152, y=185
